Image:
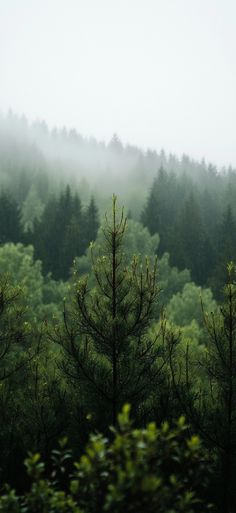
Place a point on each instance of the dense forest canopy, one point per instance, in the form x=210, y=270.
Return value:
x=54, y=183
x=56, y=158
x=134, y=306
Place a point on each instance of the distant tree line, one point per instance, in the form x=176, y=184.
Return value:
x=73, y=351
x=190, y=204
x=196, y=224
x=61, y=231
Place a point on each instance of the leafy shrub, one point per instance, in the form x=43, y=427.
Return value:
x=149, y=470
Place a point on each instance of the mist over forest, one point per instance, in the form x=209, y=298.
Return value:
x=117, y=287
x=66, y=157
x=117, y=256
x=161, y=191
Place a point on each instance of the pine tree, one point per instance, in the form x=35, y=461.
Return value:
x=210, y=402
x=107, y=348
x=220, y=365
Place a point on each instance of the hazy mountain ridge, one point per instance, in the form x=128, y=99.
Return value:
x=71, y=147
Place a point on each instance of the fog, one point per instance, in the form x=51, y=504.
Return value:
x=51, y=159
x=159, y=73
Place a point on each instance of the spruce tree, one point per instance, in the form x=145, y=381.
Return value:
x=151, y=215
x=191, y=246
x=91, y=223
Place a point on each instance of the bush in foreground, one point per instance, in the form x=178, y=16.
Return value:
x=141, y=470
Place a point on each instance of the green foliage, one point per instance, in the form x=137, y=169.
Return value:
x=186, y=305
x=13, y=329
x=17, y=261
x=191, y=249
x=15, y=352
x=43, y=496
x=91, y=223
x=64, y=232
x=205, y=386
x=10, y=229
x=138, y=241
x=105, y=336
x=42, y=295
x=151, y=469
x=226, y=250
x=220, y=366
x=171, y=280
x=32, y=209
x=44, y=413
x=189, y=225
x=190, y=213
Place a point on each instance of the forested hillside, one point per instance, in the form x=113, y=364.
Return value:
x=54, y=183
x=102, y=306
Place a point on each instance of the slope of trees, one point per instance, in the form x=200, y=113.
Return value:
x=195, y=227
x=75, y=346
x=110, y=343
x=184, y=201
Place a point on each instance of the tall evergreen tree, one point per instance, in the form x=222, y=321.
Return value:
x=190, y=244
x=91, y=223
x=46, y=237
x=70, y=247
x=226, y=251
x=108, y=350
x=59, y=236
x=151, y=216
x=161, y=207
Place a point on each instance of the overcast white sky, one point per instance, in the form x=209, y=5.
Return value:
x=160, y=73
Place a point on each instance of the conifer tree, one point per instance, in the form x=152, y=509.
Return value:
x=91, y=223
x=59, y=236
x=107, y=347
x=15, y=353
x=13, y=329
x=220, y=365
x=210, y=402
x=191, y=248
x=71, y=246
x=226, y=251
x=10, y=228
x=161, y=207
x=157, y=209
